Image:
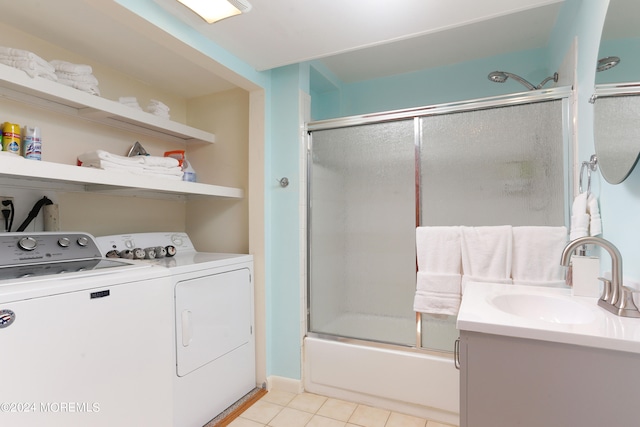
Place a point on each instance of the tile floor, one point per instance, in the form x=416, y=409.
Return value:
x=282, y=409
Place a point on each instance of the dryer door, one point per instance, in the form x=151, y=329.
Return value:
x=213, y=317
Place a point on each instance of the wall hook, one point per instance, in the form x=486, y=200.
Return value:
x=284, y=182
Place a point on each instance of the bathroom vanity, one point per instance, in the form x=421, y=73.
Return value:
x=532, y=356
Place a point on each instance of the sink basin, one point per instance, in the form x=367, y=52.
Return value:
x=549, y=308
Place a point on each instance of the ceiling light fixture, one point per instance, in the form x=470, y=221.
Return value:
x=215, y=10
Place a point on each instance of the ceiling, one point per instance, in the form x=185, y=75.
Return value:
x=365, y=39
x=355, y=39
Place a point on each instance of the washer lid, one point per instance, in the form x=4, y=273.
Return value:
x=55, y=268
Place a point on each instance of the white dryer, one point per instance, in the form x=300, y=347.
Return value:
x=214, y=321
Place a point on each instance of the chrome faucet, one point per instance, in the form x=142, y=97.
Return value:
x=616, y=298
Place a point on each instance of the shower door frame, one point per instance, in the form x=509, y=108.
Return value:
x=565, y=94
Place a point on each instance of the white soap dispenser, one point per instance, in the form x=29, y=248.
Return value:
x=585, y=271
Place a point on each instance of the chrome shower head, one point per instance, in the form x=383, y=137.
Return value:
x=608, y=62
x=498, y=77
x=502, y=76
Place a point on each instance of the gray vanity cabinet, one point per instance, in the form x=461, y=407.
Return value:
x=509, y=382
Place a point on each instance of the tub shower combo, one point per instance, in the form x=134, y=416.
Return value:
x=371, y=180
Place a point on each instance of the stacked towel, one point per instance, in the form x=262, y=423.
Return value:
x=585, y=217
x=164, y=167
x=438, y=278
x=158, y=108
x=28, y=62
x=130, y=101
x=536, y=255
x=78, y=76
x=486, y=254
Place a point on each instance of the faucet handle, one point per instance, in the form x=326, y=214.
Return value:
x=606, y=291
x=626, y=307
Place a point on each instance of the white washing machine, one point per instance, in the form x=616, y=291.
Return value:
x=84, y=340
x=214, y=321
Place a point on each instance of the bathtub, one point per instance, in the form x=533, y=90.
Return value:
x=409, y=381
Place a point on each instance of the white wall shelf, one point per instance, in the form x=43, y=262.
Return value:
x=16, y=85
x=24, y=173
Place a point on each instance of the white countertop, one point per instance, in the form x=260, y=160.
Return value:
x=596, y=327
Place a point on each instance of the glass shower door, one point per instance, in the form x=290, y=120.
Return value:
x=371, y=184
x=498, y=166
x=362, y=216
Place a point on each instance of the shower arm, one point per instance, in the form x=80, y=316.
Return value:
x=548, y=79
x=521, y=80
x=529, y=85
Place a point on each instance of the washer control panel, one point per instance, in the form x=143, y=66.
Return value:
x=28, y=248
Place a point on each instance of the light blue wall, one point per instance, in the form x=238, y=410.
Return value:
x=332, y=98
x=284, y=318
x=456, y=82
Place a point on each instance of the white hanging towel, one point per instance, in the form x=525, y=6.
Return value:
x=595, y=222
x=438, y=278
x=486, y=254
x=536, y=255
x=585, y=217
x=579, y=217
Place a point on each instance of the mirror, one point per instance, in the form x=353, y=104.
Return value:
x=617, y=105
x=621, y=38
x=616, y=130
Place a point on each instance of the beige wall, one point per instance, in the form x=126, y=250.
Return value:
x=220, y=225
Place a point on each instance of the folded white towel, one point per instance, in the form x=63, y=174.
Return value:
x=85, y=87
x=29, y=66
x=163, y=170
x=433, y=303
x=144, y=164
x=83, y=78
x=109, y=165
x=438, y=249
x=595, y=222
x=175, y=174
x=438, y=277
x=158, y=161
x=438, y=282
x=487, y=251
x=156, y=105
x=97, y=155
x=536, y=253
x=69, y=67
x=12, y=53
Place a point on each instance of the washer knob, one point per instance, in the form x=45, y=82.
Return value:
x=83, y=241
x=64, y=242
x=27, y=243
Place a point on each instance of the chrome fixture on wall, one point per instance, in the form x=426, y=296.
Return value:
x=284, y=182
x=608, y=62
x=502, y=76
